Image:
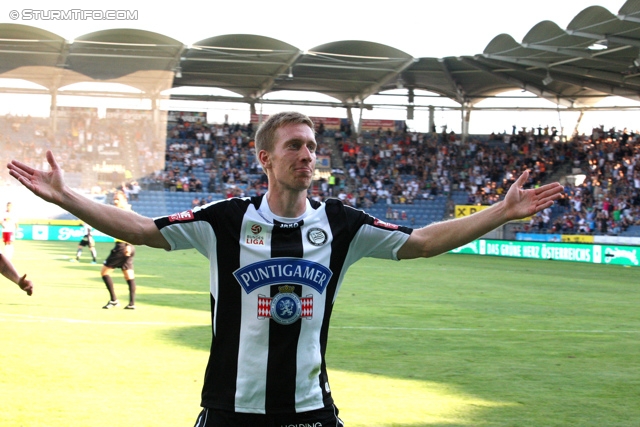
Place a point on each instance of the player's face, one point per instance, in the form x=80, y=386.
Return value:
x=293, y=160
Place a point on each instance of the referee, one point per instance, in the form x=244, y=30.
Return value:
x=277, y=263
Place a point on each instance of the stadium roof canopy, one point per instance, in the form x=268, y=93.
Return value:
x=597, y=55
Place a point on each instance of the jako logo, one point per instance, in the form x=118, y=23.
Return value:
x=278, y=271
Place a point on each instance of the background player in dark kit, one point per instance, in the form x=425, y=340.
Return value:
x=121, y=256
x=87, y=241
x=278, y=261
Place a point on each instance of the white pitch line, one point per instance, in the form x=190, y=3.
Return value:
x=27, y=318
x=37, y=319
x=565, y=331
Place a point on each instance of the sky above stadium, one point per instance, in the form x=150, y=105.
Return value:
x=421, y=28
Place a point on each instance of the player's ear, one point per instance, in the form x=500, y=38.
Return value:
x=265, y=159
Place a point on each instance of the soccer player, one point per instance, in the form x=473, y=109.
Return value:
x=9, y=228
x=87, y=241
x=121, y=256
x=277, y=263
x=9, y=271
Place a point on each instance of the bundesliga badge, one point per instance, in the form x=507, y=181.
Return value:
x=286, y=307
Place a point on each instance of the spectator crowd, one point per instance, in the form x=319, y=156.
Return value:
x=389, y=166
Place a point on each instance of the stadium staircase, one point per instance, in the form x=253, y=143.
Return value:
x=418, y=214
x=154, y=203
x=129, y=153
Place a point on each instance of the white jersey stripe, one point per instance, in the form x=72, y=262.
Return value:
x=254, y=336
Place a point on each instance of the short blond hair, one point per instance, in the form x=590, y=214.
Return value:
x=266, y=135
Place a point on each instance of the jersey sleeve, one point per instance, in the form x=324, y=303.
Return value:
x=188, y=230
x=379, y=242
x=375, y=238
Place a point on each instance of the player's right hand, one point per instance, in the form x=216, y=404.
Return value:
x=26, y=285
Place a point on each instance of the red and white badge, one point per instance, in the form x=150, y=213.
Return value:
x=383, y=224
x=182, y=216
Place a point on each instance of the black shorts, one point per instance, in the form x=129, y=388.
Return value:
x=118, y=258
x=87, y=241
x=326, y=417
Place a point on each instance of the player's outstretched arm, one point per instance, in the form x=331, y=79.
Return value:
x=444, y=236
x=119, y=223
x=9, y=271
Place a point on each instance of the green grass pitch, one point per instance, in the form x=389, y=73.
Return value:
x=456, y=340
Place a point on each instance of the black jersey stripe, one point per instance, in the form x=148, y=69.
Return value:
x=281, y=377
x=287, y=242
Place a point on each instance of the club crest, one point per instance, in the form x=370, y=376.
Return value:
x=286, y=307
x=317, y=236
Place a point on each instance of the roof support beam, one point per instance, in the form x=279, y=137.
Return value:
x=542, y=92
x=375, y=87
x=351, y=67
x=603, y=82
x=455, y=86
x=268, y=85
x=547, y=65
x=630, y=18
x=175, y=64
x=575, y=53
x=616, y=39
x=64, y=53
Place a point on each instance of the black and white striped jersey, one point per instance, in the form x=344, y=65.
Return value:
x=273, y=284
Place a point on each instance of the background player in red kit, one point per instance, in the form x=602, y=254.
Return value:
x=9, y=229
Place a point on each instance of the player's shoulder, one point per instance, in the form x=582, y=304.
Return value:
x=235, y=201
x=334, y=202
x=335, y=207
x=223, y=207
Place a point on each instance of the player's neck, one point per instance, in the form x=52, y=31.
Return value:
x=288, y=204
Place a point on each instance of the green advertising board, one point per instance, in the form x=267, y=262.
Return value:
x=598, y=254
x=575, y=252
x=57, y=233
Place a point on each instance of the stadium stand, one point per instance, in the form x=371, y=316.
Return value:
x=398, y=175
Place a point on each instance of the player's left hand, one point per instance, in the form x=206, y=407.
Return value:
x=522, y=203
